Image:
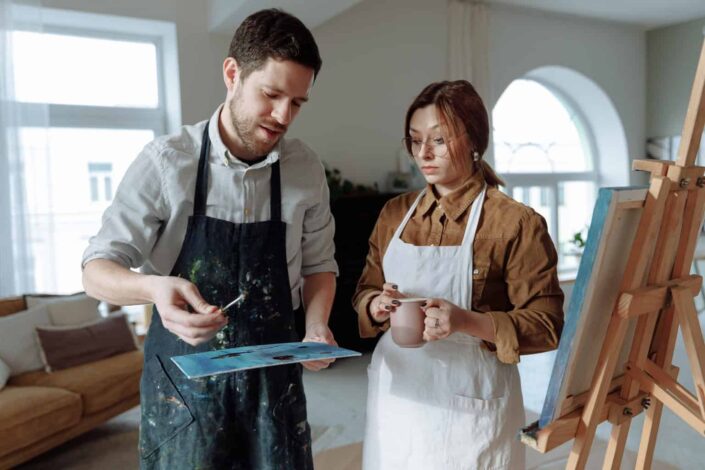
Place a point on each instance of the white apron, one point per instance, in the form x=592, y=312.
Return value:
x=450, y=404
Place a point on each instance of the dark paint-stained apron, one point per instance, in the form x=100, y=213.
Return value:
x=243, y=420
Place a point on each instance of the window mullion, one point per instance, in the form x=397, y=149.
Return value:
x=106, y=118
x=554, y=213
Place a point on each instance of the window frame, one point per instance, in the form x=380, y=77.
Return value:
x=552, y=180
x=166, y=117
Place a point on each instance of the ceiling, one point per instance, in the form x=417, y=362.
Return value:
x=224, y=14
x=646, y=13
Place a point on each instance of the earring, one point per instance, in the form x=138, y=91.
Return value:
x=476, y=156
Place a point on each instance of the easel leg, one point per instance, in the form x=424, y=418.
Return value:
x=652, y=421
x=590, y=418
x=616, y=445
x=693, y=339
x=664, y=347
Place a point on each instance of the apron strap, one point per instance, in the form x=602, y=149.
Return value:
x=275, y=199
x=199, y=205
x=400, y=228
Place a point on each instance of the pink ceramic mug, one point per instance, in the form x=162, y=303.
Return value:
x=408, y=323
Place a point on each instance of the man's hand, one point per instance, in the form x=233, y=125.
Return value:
x=385, y=303
x=318, y=333
x=172, y=296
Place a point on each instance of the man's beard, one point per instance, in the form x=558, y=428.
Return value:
x=245, y=129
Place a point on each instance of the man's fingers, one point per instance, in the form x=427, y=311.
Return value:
x=191, y=320
x=193, y=297
x=317, y=365
x=192, y=336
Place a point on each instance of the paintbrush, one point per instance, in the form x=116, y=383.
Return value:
x=239, y=299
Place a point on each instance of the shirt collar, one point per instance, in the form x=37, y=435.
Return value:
x=456, y=202
x=220, y=153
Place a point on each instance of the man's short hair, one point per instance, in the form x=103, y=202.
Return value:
x=276, y=34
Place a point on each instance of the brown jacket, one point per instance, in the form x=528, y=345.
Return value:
x=514, y=264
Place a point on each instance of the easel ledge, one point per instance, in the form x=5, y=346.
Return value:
x=658, y=293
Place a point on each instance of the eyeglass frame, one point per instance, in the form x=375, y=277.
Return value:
x=447, y=141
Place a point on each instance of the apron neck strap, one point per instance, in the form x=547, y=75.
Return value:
x=199, y=205
x=407, y=216
x=275, y=200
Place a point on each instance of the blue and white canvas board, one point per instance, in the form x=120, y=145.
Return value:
x=614, y=224
x=222, y=361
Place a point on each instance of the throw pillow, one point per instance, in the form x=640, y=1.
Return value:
x=4, y=374
x=63, y=346
x=18, y=346
x=67, y=310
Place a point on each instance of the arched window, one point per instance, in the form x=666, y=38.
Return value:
x=543, y=150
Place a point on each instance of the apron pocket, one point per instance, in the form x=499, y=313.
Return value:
x=477, y=433
x=164, y=412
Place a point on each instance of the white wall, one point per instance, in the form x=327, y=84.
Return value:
x=672, y=57
x=201, y=53
x=379, y=54
x=610, y=54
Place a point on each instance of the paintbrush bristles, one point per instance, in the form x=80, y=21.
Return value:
x=238, y=299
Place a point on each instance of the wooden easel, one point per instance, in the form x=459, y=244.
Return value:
x=658, y=292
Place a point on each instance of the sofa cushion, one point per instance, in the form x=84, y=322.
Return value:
x=66, y=310
x=69, y=346
x=18, y=345
x=101, y=383
x=30, y=414
x=10, y=305
x=4, y=374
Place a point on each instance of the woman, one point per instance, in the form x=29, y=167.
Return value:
x=487, y=267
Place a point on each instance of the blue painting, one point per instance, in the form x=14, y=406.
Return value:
x=222, y=361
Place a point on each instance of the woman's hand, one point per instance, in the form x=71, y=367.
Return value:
x=442, y=319
x=385, y=303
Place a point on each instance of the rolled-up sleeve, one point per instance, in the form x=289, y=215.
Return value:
x=535, y=323
x=317, y=247
x=131, y=224
x=372, y=279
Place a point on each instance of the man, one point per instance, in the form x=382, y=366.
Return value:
x=224, y=208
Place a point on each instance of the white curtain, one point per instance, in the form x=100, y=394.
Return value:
x=16, y=263
x=468, y=44
x=468, y=50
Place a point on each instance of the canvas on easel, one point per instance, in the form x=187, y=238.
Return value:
x=632, y=294
x=613, y=226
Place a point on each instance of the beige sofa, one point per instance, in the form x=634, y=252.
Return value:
x=40, y=410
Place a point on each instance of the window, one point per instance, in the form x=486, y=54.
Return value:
x=542, y=149
x=109, y=87
x=101, y=181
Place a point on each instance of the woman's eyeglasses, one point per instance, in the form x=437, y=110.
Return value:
x=437, y=145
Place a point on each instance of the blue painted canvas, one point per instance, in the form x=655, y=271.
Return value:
x=610, y=237
x=222, y=361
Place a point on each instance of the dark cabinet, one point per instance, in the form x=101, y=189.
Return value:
x=355, y=217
